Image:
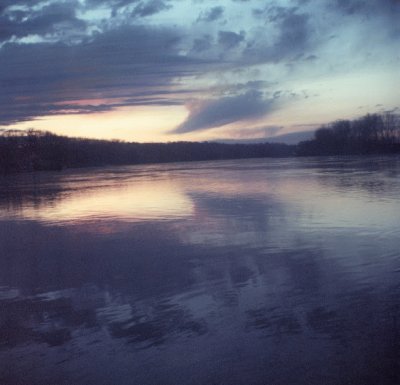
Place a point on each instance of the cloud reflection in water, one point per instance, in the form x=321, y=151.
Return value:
x=244, y=273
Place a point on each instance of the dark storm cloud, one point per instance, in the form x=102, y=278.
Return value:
x=148, y=8
x=229, y=40
x=22, y=23
x=212, y=14
x=202, y=44
x=207, y=114
x=371, y=7
x=387, y=12
x=382, y=15
x=115, y=64
x=294, y=36
x=350, y=6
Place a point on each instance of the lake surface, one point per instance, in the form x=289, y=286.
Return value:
x=282, y=271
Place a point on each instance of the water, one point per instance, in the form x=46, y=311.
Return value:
x=235, y=272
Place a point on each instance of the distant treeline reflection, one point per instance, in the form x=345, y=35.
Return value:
x=37, y=150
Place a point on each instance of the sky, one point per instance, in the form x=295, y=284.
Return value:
x=172, y=70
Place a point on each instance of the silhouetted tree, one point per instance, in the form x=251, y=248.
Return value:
x=372, y=133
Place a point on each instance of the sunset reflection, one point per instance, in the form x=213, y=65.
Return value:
x=137, y=201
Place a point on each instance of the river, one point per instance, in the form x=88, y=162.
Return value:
x=261, y=271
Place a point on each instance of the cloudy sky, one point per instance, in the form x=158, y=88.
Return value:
x=164, y=70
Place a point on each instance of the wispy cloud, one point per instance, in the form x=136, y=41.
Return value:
x=205, y=114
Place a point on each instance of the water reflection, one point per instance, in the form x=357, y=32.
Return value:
x=136, y=201
x=281, y=271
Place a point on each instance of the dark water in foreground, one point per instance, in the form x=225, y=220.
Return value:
x=235, y=272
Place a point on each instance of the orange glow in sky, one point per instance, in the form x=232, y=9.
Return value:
x=136, y=124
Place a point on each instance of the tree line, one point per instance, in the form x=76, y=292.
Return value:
x=370, y=134
x=37, y=150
